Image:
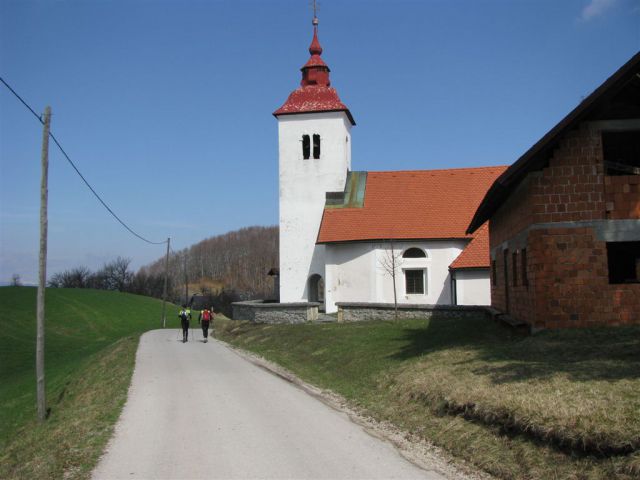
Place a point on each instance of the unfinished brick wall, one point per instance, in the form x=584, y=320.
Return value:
x=571, y=284
x=566, y=267
x=514, y=216
x=622, y=196
x=521, y=304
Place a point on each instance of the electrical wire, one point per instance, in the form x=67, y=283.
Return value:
x=55, y=140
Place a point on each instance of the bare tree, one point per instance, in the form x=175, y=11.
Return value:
x=114, y=275
x=390, y=263
x=15, y=280
x=237, y=261
x=55, y=281
x=75, y=278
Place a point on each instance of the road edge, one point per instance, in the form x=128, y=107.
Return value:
x=412, y=448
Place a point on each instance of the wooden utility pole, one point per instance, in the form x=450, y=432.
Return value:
x=186, y=281
x=44, y=190
x=164, y=288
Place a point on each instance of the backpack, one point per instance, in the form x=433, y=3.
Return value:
x=183, y=315
x=206, y=315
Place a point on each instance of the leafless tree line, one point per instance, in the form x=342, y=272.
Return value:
x=236, y=261
x=114, y=275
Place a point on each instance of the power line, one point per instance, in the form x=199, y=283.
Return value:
x=78, y=171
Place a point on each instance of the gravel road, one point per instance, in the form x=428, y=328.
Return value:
x=198, y=410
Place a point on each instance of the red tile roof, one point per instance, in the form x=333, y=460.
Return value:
x=315, y=93
x=420, y=204
x=476, y=254
x=314, y=98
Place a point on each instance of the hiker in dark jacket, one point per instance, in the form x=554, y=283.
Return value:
x=204, y=319
x=184, y=321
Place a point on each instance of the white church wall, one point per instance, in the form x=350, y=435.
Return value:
x=303, y=184
x=355, y=272
x=350, y=274
x=473, y=287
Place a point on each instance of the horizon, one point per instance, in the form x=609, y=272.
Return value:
x=166, y=107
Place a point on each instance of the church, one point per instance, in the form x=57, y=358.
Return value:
x=370, y=237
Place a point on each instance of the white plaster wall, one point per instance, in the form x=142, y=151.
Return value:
x=473, y=287
x=355, y=272
x=303, y=184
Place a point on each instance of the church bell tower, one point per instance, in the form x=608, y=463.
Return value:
x=314, y=140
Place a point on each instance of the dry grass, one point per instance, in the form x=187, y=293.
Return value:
x=69, y=443
x=556, y=405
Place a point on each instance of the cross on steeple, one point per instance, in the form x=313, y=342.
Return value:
x=315, y=12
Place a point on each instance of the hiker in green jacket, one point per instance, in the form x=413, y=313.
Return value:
x=184, y=316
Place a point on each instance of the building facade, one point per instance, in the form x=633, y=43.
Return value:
x=350, y=236
x=565, y=217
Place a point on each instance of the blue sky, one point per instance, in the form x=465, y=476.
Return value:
x=165, y=106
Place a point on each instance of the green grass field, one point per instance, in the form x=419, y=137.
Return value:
x=557, y=405
x=91, y=339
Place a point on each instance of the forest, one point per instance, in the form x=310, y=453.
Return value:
x=225, y=268
x=235, y=261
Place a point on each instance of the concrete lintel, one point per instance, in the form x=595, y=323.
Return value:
x=616, y=125
x=627, y=230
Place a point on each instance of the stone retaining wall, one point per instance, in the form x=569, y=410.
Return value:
x=259, y=312
x=355, y=312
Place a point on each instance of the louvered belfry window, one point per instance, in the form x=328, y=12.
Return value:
x=306, y=147
x=316, y=146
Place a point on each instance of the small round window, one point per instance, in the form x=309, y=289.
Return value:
x=414, y=253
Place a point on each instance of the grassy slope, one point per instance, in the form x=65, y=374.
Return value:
x=550, y=406
x=91, y=338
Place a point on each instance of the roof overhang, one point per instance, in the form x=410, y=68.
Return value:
x=346, y=111
x=536, y=157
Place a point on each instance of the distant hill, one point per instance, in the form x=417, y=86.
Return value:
x=237, y=260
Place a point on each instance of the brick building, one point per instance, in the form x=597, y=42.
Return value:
x=565, y=217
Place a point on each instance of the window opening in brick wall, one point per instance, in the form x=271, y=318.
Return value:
x=514, y=267
x=623, y=259
x=523, y=267
x=316, y=146
x=306, y=147
x=621, y=152
x=505, y=259
x=414, y=253
x=414, y=281
x=494, y=273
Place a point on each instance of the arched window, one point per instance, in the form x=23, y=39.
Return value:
x=306, y=147
x=316, y=146
x=414, y=253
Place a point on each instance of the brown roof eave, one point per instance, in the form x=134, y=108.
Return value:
x=483, y=267
x=386, y=239
x=537, y=154
x=346, y=111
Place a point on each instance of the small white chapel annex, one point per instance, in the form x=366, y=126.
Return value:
x=346, y=236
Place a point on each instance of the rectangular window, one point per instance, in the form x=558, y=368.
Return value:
x=494, y=273
x=621, y=152
x=523, y=267
x=514, y=267
x=306, y=147
x=414, y=281
x=623, y=259
x=316, y=146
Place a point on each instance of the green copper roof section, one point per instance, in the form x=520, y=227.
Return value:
x=353, y=195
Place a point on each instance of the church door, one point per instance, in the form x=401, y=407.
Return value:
x=316, y=288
